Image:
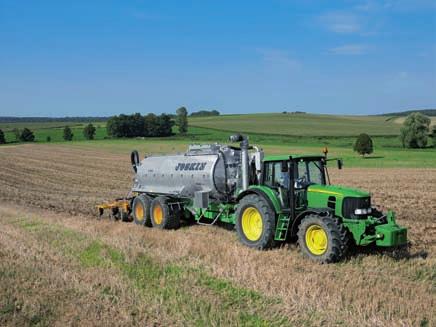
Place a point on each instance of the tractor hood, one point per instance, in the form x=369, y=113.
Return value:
x=344, y=200
x=337, y=191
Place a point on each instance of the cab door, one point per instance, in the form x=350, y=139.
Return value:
x=276, y=176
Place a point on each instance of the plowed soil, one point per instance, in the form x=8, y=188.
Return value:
x=369, y=288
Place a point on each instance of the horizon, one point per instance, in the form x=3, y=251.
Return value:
x=224, y=114
x=101, y=59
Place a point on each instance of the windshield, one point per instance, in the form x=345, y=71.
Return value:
x=310, y=172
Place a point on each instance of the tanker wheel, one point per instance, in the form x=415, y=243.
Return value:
x=141, y=210
x=322, y=238
x=255, y=222
x=162, y=215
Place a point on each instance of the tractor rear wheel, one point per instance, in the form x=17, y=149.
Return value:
x=162, y=215
x=141, y=210
x=255, y=222
x=322, y=238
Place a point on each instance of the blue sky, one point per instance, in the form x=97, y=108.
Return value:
x=74, y=58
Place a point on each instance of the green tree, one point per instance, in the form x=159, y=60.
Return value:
x=48, y=138
x=68, y=134
x=182, y=120
x=433, y=136
x=27, y=135
x=151, y=125
x=414, y=133
x=112, y=127
x=165, y=125
x=363, y=144
x=136, y=125
x=2, y=137
x=89, y=132
x=17, y=134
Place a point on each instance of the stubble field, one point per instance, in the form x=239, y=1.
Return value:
x=59, y=264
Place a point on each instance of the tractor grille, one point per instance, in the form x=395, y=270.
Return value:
x=351, y=204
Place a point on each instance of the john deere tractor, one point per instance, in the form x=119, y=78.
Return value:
x=269, y=199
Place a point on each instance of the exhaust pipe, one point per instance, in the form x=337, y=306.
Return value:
x=244, y=157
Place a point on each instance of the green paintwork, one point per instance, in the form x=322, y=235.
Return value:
x=272, y=195
x=283, y=221
x=390, y=234
x=226, y=212
x=364, y=231
x=318, y=196
x=282, y=157
x=336, y=190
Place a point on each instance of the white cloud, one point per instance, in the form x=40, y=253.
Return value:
x=341, y=22
x=279, y=58
x=350, y=49
x=369, y=5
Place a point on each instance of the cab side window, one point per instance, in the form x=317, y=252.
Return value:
x=272, y=173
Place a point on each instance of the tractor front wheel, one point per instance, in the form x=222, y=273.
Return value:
x=322, y=238
x=255, y=222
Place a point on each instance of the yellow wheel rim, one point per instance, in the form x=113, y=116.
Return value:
x=157, y=214
x=139, y=212
x=316, y=240
x=252, y=225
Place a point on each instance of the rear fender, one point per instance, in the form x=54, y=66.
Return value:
x=264, y=192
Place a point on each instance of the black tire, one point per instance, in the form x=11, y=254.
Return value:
x=125, y=216
x=165, y=217
x=141, y=210
x=268, y=217
x=336, y=244
x=114, y=214
x=120, y=214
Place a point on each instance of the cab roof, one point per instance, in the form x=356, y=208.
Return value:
x=281, y=157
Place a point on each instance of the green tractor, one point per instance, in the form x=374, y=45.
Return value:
x=269, y=199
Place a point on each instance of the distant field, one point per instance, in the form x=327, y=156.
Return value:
x=269, y=128
x=400, y=120
x=38, y=125
x=301, y=124
x=53, y=129
x=276, y=133
x=382, y=157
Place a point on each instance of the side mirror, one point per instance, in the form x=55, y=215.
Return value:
x=340, y=163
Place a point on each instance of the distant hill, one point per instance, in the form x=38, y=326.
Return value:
x=428, y=112
x=11, y=119
x=300, y=124
x=205, y=113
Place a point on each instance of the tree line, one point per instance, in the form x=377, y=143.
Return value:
x=137, y=125
x=205, y=113
x=414, y=133
x=149, y=125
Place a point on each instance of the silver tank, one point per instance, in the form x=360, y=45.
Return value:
x=212, y=168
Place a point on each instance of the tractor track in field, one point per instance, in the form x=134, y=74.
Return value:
x=381, y=289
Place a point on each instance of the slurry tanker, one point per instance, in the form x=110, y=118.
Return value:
x=269, y=199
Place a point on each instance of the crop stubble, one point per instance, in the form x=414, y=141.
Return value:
x=374, y=288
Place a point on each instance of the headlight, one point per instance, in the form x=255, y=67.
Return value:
x=359, y=212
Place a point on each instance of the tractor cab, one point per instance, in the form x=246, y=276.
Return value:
x=291, y=176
